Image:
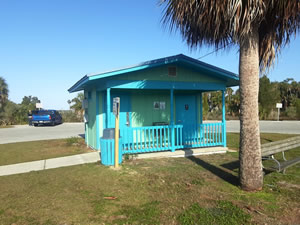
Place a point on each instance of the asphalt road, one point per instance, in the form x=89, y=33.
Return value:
x=282, y=127
x=23, y=133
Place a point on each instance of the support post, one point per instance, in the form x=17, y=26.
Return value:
x=201, y=109
x=172, y=120
x=108, y=108
x=117, y=112
x=97, y=122
x=201, y=117
x=223, y=119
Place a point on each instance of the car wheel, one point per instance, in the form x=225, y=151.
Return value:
x=35, y=124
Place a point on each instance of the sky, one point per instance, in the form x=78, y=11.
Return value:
x=48, y=45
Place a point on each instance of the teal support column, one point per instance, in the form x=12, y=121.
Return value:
x=97, y=122
x=223, y=118
x=201, y=118
x=201, y=109
x=108, y=108
x=172, y=120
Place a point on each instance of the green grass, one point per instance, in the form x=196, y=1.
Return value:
x=8, y=126
x=194, y=190
x=38, y=150
x=224, y=213
x=233, y=139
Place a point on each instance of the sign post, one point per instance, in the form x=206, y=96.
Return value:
x=116, y=111
x=278, y=106
x=38, y=105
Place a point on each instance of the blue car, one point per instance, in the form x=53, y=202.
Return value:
x=49, y=117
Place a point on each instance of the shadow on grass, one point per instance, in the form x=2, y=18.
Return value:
x=232, y=165
x=228, y=177
x=267, y=140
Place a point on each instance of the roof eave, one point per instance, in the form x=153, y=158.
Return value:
x=78, y=85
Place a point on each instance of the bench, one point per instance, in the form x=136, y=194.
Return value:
x=268, y=151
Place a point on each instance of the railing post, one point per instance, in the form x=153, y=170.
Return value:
x=172, y=120
x=108, y=108
x=97, y=122
x=223, y=119
x=201, y=109
x=201, y=117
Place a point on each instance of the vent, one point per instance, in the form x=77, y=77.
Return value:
x=172, y=71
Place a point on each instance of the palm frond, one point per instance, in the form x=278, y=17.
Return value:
x=220, y=22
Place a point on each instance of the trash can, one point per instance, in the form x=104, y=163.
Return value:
x=107, y=146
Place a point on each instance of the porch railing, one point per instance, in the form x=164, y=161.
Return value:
x=162, y=138
x=151, y=138
x=203, y=135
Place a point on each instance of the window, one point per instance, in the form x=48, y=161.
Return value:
x=172, y=71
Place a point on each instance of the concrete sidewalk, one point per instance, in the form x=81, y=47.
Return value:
x=93, y=157
x=49, y=163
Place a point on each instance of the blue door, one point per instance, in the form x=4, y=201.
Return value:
x=186, y=114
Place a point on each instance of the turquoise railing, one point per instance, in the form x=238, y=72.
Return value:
x=203, y=135
x=162, y=138
x=151, y=139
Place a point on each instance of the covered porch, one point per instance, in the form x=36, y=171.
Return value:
x=181, y=128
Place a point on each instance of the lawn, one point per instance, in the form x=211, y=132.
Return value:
x=194, y=190
x=8, y=126
x=38, y=150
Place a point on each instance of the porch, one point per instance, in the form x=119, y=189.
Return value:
x=172, y=137
x=183, y=127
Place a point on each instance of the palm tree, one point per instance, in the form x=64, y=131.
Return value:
x=77, y=105
x=260, y=28
x=3, y=93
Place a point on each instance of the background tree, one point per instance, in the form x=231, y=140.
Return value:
x=268, y=96
x=234, y=104
x=9, y=115
x=28, y=104
x=205, y=105
x=260, y=28
x=76, y=105
x=297, y=104
x=3, y=93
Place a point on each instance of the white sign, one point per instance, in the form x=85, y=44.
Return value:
x=279, y=105
x=38, y=105
x=162, y=105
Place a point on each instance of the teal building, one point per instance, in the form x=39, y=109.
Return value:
x=160, y=104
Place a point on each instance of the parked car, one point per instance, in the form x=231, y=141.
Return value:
x=51, y=117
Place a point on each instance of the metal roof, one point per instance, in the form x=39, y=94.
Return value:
x=218, y=72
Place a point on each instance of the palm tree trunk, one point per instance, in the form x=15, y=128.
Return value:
x=250, y=173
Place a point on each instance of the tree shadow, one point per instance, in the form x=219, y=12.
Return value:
x=236, y=164
x=231, y=165
x=226, y=176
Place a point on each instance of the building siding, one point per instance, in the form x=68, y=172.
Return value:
x=161, y=74
x=143, y=112
x=101, y=113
